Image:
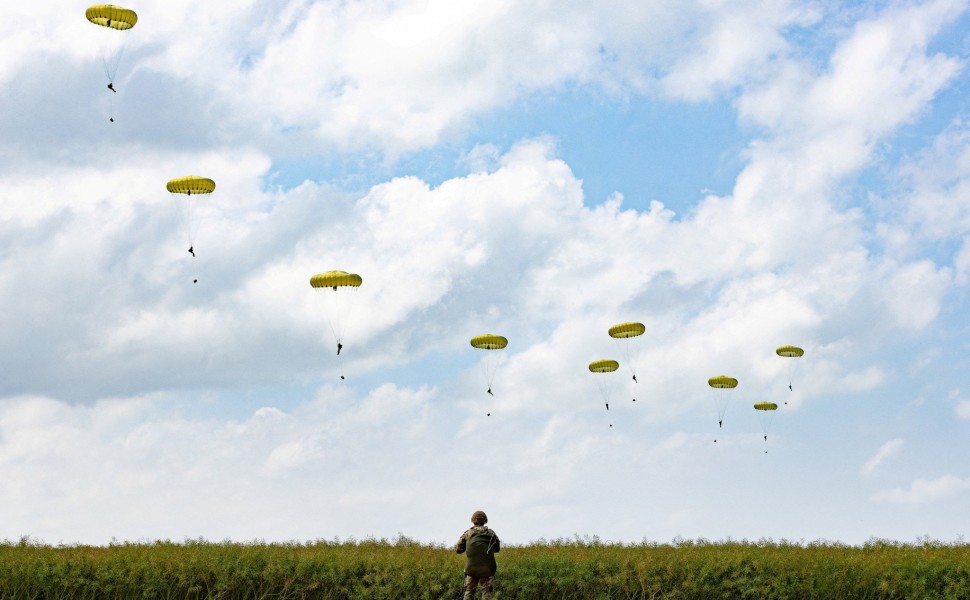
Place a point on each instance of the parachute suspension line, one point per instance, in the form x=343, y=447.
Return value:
x=336, y=318
x=186, y=219
x=110, y=70
x=336, y=328
x=488, y=371
x=111, y=65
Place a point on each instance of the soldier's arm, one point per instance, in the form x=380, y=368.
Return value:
x=497, y=545
x=460, y=546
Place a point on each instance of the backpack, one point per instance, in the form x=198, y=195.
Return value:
x=479, y=552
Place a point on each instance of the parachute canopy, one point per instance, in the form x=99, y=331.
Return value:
x=489, y=341
x=115, y=17
x=789, y=351
x=604, y=366
x=627, y=330
x=336, y=279
x=765, y=406
x=191, y=184
x=722, y=382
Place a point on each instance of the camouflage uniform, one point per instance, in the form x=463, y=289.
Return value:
x=479, y=569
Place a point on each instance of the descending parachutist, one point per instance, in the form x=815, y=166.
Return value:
x=339, y=348
x=488, y=414
x=719, y=423
x=195, y=281
x=635, y=379
x=789, y=387
x=111, y=119
x=192, y=250
x=489, y=390
x=607, y=406
x=112, y=88
x=341, y=376
x=634, y=399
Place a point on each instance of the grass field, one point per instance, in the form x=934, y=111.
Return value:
x=563, y=569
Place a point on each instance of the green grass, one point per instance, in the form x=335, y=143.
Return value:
x=559, y=569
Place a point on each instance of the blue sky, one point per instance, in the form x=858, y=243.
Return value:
x=736, y=176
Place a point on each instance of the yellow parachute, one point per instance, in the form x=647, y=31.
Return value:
x=765, y=412
x=604, y=367
x=628, y=338
x=335, y=279
x=719, y=384
x=112, y=19
x=790, y=352
x=108, y=15
x=489, y=341
x=190, y=185
x=338, y=303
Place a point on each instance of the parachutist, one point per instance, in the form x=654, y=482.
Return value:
x=192, y=250
x=112, y=88
x=789, y=388
x=634, y=399
x=489, y=390
x=488, y=414
x=719, y=423
x=111, y=119
x=195, y=281
x=339, y=348
x=341, y=376
x=607, y=406
x=635, y=379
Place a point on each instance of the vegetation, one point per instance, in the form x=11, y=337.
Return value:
x=582, y=568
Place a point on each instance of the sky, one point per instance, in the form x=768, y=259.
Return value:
x=736, y=176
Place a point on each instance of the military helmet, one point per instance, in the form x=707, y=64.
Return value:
x=479, y=518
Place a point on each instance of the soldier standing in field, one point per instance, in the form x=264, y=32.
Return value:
x=479, y=545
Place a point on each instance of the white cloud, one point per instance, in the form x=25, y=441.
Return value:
x=963, y=410
x=828, y=116
x=926, y=490
x=939, y=178
x=961, y=262
x=395, y=76
x=914, y=293
x=734, y=46
x=885, y=451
